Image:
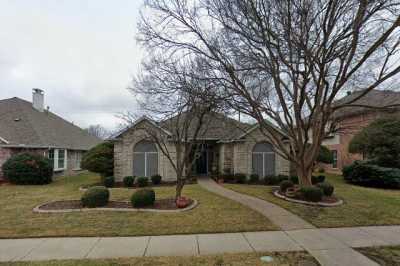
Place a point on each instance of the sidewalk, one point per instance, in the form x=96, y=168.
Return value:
x=329, y=246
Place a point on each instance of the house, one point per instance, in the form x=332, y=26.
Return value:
x=351, y=120
x=229, y=145
x=29, y=127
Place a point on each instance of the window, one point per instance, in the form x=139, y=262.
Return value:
x=58, y=158
x=334, y=155
x=263, y=159
x=145, y=159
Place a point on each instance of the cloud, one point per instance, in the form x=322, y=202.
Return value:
x=82, y=53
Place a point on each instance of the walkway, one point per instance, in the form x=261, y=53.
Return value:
x=329, y=246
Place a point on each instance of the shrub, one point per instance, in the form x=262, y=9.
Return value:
x=28, y=169
x=325, y=155
x=313, y=194
x=275, y=180
x=240, y=178
x=321, y=170
x=142, y=181
x=285, y=184
x=129, y=181
x=317, y=179
x=109, y=181
x=327, y=188
x=294, y=179
x=156, y=179
x=100, y=159
x=254, y=178
x=95, y=197
x=228, y=178
x=143, y=198
x=366, y=174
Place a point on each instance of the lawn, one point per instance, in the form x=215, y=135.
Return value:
x=213, y=214
x=239, y=259
x=362, y=206
x=388, y=256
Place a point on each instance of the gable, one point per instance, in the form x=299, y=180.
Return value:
x=139, y=129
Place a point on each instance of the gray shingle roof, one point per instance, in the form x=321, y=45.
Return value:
x=21, y=124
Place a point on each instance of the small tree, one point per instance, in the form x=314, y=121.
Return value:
x=100, y=159
x=380, y=141
x=98, y=131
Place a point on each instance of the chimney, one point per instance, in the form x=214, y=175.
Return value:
x=38, y=99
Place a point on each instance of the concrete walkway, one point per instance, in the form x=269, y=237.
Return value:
x=329, y=246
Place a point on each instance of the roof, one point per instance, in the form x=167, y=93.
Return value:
x=22, y=125
x=374, y=98
x=219, y=127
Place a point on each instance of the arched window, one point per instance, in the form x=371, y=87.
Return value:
x=263, y=159
x=145, y=159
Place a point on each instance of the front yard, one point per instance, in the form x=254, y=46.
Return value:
x=362, y=206
x=213, y=214
x=388, y=256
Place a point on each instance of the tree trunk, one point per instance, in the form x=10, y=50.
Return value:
x=304, y=173
x=180, y=182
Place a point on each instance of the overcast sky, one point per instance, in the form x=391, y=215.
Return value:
x=82, y=53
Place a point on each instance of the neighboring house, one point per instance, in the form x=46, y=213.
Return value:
x=351, y=120
x=29, y=127
x=229, y=145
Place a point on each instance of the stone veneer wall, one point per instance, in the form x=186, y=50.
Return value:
x=4, y=155
x=123, y=154
x=242, y=155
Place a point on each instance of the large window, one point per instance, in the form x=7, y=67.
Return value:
x=145, y=159
x=263, y=159
x=58, y=158
x=335, y=159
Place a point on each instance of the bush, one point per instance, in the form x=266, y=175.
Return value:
x=285, y=184
x=129, y=181
x=294, y=179
x=109, y=181
x=313, y=194
x=254, y=178
x=275, y=180
x=143, y=198
x=142, y=181
x=95, y=197
x=366, y=174
x=317, y=179
x=240, y=178
x=327, y=188
x=28, y=169
x=229, y=178
x=100, y=159
x=325, y=155
x=156, y=179
x=321, y=170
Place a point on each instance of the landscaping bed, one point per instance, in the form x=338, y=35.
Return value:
x=327, y=201
x=388, y=256
x=135, y=186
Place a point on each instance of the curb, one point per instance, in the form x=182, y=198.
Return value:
x=321, y=204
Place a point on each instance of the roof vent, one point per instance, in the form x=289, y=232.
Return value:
x=17, y=119
x=38, y=99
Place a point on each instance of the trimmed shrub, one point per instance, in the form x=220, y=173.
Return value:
x=156, y=179
x=254, y=178
x=275, y=180
x=327, y=188
x=109, y=181
x=142, y=181
x=294, y=179
x=325, y=155
x=28, y=169
x=229, y=178
x=366, y=174
x=317, y=179
x=100, y=159
x=95, y=197
x=240, y=178
x=143, y=198
x=313, y=194
x=129, y=181
x=285, y=184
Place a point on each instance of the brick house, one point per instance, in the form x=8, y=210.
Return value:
x=229, y=145
x=351, y=120
x=28, y=127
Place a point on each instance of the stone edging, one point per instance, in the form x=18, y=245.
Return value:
x=188, y=208
x=321, y=204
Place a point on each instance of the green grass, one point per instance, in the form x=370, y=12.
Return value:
x=239, y=259
x=362, y=206
x=213, y=214
x=388, y=256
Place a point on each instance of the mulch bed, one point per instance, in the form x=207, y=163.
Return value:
x=162, y=184
x=160, y=204
x=325, y=200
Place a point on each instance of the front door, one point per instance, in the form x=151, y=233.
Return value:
x=201, y=164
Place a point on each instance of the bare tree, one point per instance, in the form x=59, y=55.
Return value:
x=285, y=61
x=172, y=93
x=98, y=131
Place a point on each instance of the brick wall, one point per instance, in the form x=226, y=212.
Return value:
x=4, y=155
